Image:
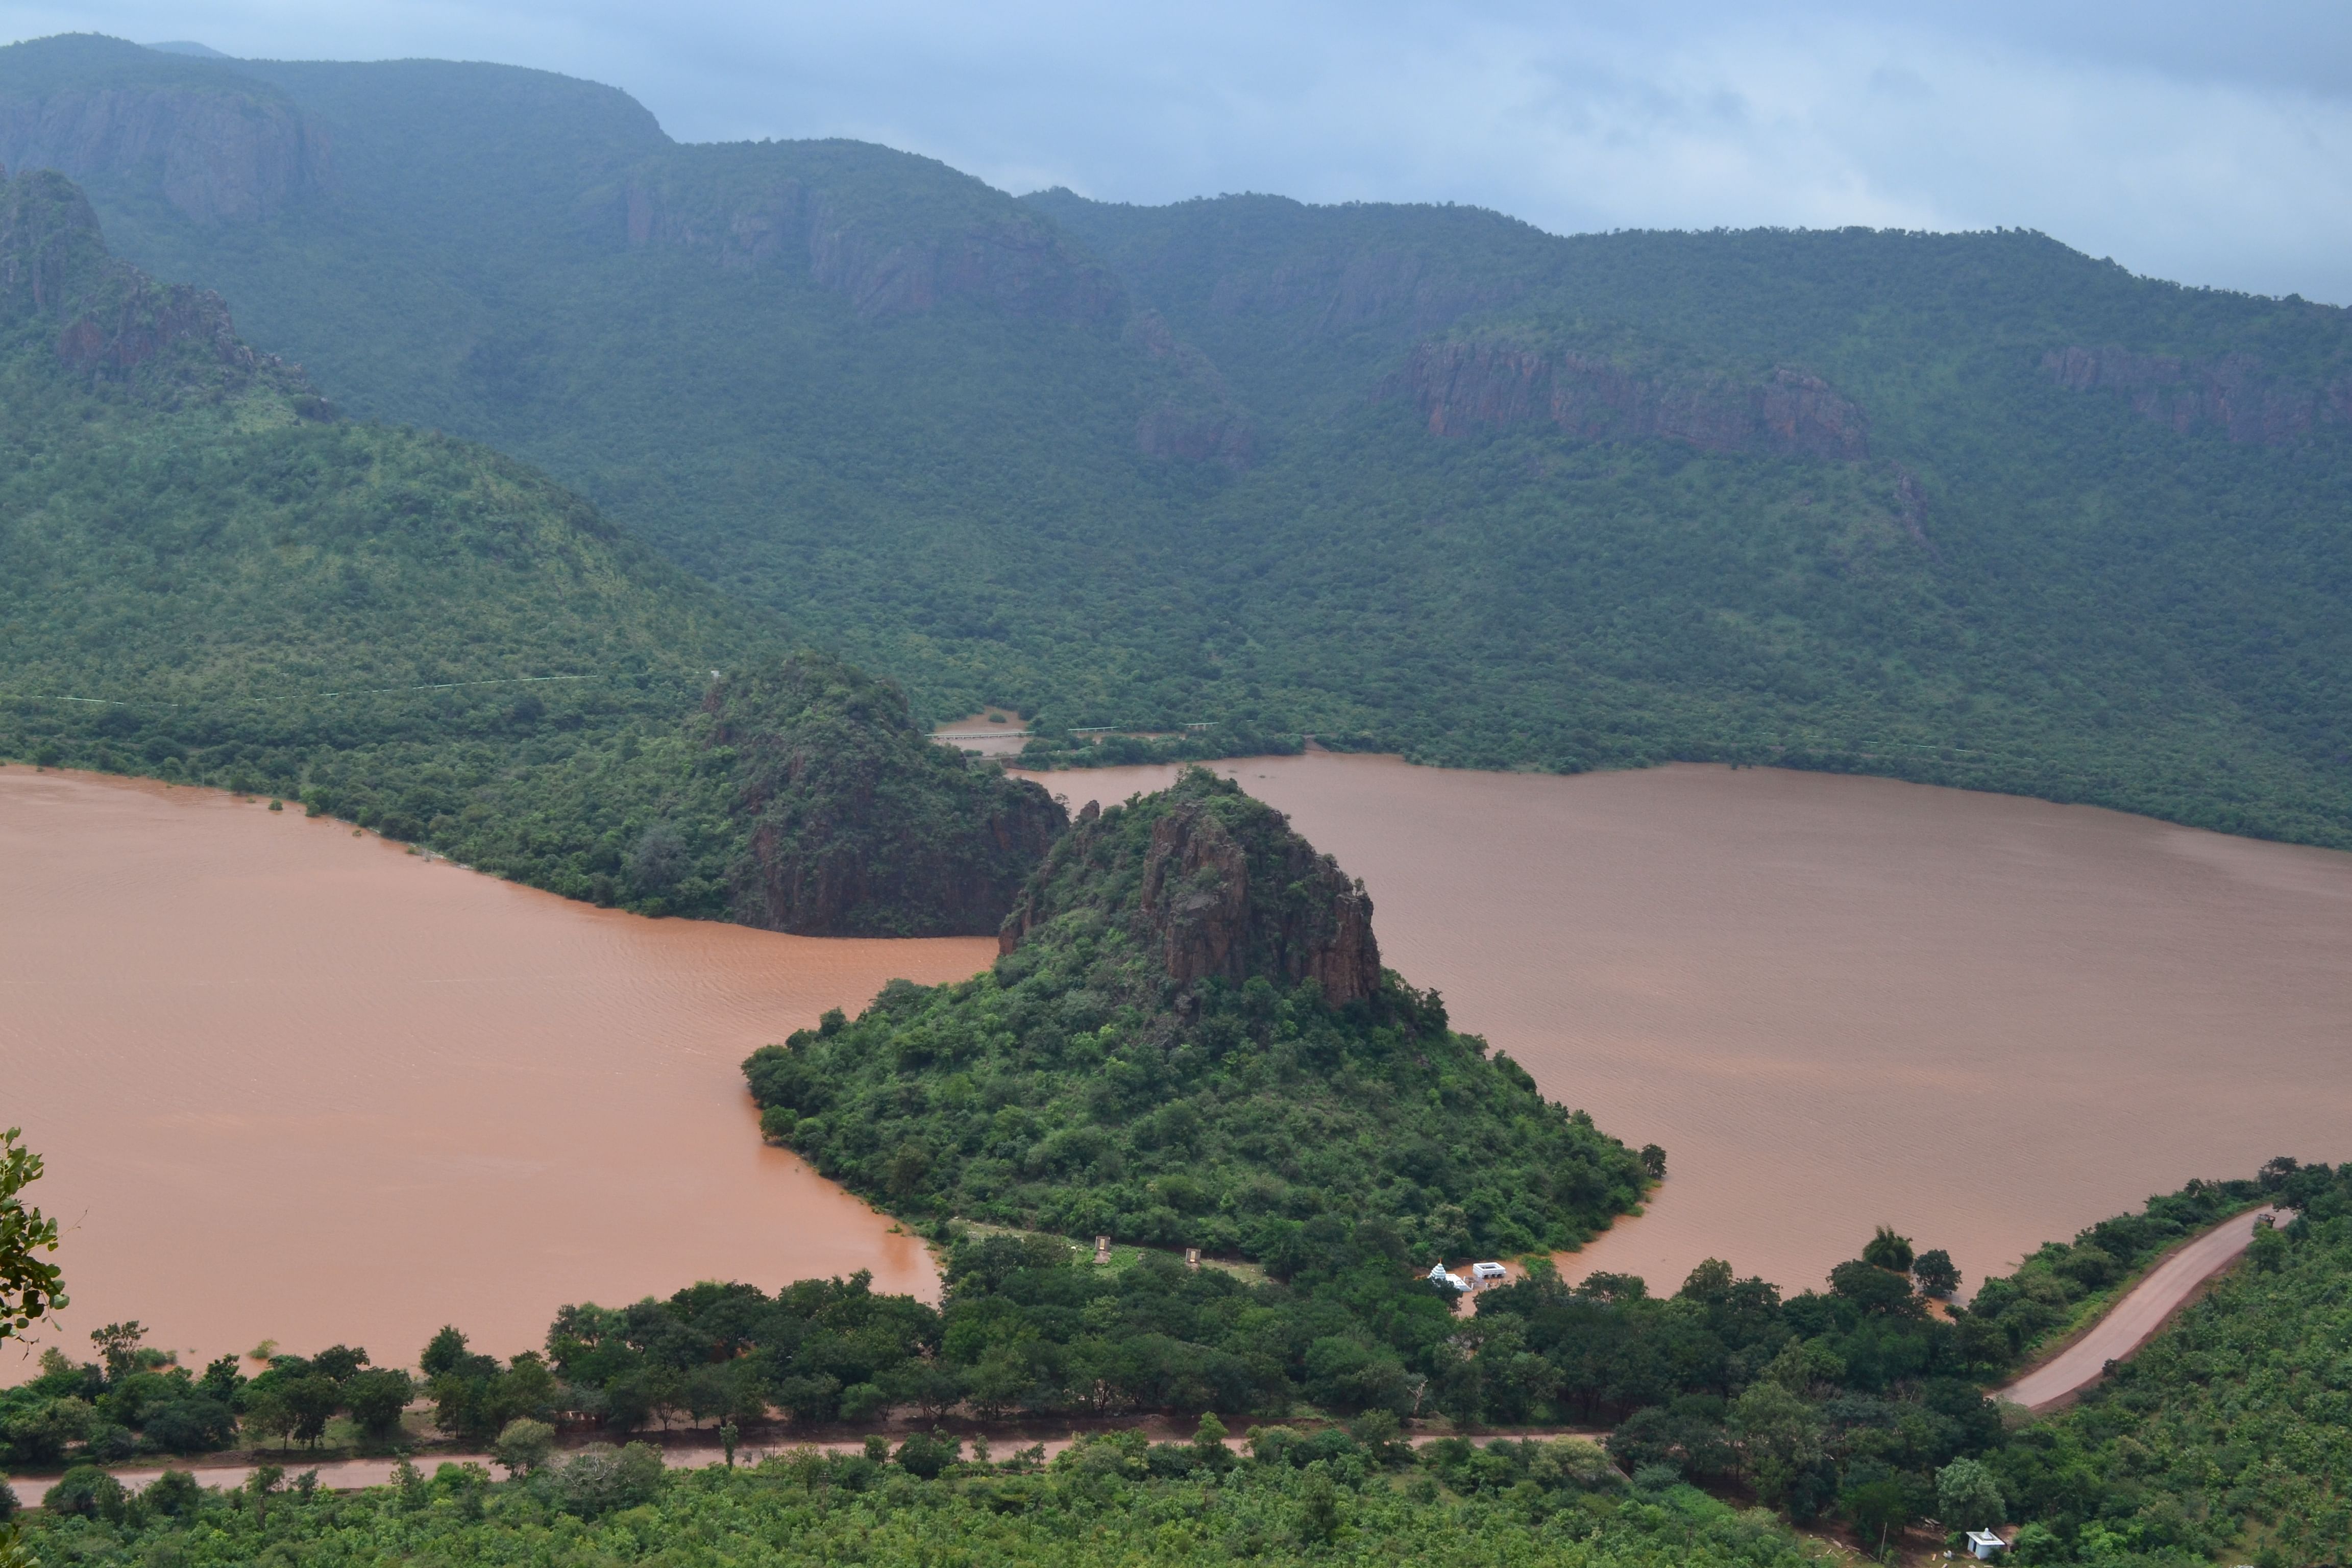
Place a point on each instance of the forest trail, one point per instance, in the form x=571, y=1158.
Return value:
x=2134, y=1320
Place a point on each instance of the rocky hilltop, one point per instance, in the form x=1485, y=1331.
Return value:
x=113, y=322
x=1217, y=887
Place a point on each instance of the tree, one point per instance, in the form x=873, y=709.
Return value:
x=523, y=1446
x=1877, y=1508
x=1888, y=1251
x=1878, y=1292
x=312, y=1400
x=376, y=1399
x=1780, y=1438
x=29, y=1289
x=1936, y=1274
x=2267, y=1248
x=1968, y=1497
x=118, y=1347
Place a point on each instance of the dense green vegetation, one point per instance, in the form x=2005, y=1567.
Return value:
x=2226, y=1436
x=1147, y=468
x=1107, y=1501
x=206, y=577
x=1121, y=1070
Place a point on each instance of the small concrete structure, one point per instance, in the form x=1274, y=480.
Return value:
x=1984, y=1543
x=1192, y=1257
x=1102, y=1250
x=1482, y=1272
x=1438, y=1275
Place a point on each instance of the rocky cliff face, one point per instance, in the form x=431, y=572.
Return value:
x=1460, y=385
x=114, y=322
x=220, y=154
x=855, y=823
x=2234, y=394
x=1216, y=886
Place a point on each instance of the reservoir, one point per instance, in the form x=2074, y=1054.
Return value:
x=305, y=1085
x=297, y=1084
x=1844, y=1002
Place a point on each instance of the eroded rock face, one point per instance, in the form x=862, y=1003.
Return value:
x=1217, y=887
x=1460, y=385
x=2234, y=394
x=115, y=322
x=220, y=154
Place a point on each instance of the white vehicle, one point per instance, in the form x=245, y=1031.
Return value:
x=1482, y=1272
x=1438, y=1275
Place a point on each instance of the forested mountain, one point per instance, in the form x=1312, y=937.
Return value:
x=205, y=574
x=1969, y=508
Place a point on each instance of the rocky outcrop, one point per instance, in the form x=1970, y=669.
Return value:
x=1216, y=886
x=114, y=322
x=2234, y=394
x=855, y=824
x=221, y=154
x=1013, y=261
x=1460, y=385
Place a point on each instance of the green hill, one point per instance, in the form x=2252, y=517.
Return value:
x=1969, y=508
x=1190, y=1040
x=205, y=574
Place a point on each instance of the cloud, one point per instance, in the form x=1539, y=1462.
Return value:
x=2185, y=143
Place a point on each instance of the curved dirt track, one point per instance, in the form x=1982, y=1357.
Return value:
x=2134, y=1320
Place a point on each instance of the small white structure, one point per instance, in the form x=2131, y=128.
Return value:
x=1984, y=1543
x=1482, y=1272
x=1439, y=1276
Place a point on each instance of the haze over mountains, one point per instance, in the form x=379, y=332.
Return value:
x=1970, y=508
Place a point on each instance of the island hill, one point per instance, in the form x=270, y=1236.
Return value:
x=208, y=576
x=1188, y=1040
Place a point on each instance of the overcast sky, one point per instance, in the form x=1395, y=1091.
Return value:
x=2206, y=142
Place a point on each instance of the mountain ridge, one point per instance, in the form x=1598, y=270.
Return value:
x=1421, y=479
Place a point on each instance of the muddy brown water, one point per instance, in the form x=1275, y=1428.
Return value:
x=296, y=1084
x=1846, y=1002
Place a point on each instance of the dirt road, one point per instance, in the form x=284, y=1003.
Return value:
x=2133, y=1321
